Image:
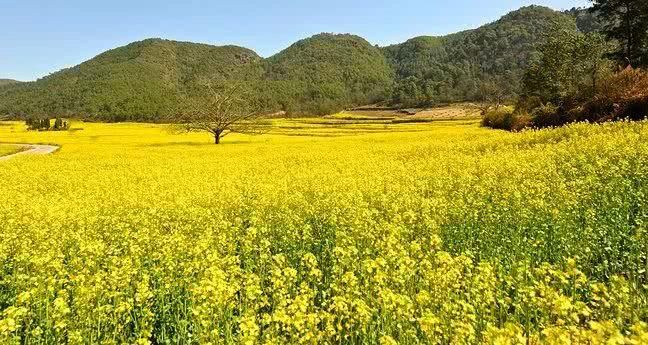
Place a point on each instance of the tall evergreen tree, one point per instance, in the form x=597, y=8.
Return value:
x=627, y=22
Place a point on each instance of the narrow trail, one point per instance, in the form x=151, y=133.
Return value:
x=32, y=149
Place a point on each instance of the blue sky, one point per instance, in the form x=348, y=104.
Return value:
x=41, y=37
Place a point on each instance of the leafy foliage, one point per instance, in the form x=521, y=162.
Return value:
x=573, y=81
x=570, y=65
x=587, y=20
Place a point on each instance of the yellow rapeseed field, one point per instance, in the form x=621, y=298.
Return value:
x=326, y=231
x=6, y=150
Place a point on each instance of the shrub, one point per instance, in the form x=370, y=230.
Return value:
x=526, y=104
x=500, y=118
x=35, y=124
x=630, y=83
x=521, y=121
x=621, y=95
x=547, y=115
x=60, y=125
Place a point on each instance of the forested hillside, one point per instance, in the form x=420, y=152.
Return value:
x=140, y=81
x=451, y=68
x=326, y=72
x=321, y=74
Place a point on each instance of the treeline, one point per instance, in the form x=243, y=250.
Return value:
x=595, y=76
x=326, y=73
x=4, y=82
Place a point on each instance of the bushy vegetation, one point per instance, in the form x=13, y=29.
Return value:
x=620, y=96
x=505, y=118
x=415, y=234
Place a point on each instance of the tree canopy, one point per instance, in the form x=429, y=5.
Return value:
x=570, y=65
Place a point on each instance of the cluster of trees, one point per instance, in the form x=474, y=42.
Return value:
x=592, y=76
x=45, y=124
x=626, y=22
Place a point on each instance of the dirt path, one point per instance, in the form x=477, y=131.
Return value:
x=32, y=149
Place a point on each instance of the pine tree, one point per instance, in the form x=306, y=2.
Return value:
x=627, y=22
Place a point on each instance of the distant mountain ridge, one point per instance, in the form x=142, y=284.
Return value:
x=321, y=74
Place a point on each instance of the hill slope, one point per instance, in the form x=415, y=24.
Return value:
x=327, y=72
x=4, y=82
x=139, y=81
x=450, y=68
x=321, y=74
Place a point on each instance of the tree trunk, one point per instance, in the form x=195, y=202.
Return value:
x=217, y=138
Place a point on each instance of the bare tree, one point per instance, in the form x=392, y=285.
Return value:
x=220, y=110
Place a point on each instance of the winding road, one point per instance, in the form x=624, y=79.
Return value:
x=32, y=149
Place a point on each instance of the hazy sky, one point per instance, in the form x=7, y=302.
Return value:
x=41, y=37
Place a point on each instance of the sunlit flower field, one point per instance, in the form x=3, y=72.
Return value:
x=326, y=231
x=9, y=149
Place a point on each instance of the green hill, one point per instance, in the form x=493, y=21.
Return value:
x=450, y=68
x=321, y=74
x=139, y=81
x=4, y=82
x=327, y=72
